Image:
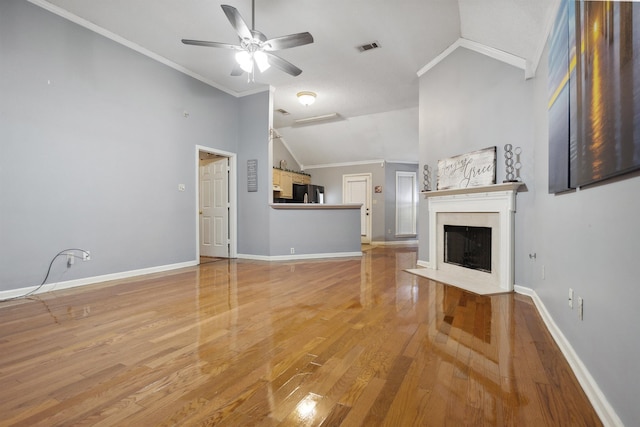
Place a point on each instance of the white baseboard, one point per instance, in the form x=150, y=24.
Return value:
x=425, y=264
x=599, y=401
x=299, y=257
x=48, y=287
x=395, y=243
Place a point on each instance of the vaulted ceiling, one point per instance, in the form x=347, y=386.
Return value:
x=374, y=93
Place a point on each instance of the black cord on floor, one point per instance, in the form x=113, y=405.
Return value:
x=63, y=252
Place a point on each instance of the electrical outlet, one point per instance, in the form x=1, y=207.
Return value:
x=86, y=256
x=580, y=308
x=570, y=298
x=293, y=251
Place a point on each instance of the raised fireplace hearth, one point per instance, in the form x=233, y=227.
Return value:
x=479, y=223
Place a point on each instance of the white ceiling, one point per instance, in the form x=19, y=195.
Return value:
x=375, y=93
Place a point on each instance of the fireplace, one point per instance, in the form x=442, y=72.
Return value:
x=468, y=247
x=471, y=240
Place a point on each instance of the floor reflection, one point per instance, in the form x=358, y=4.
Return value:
x=303, y=342
x=218, y=312
x=331, y=342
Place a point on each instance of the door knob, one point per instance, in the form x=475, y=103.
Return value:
x=200, y=212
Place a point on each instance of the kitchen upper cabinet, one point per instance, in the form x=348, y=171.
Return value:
x=276, y=177
x=286, y=185
x=283, y=182
x=297, y=178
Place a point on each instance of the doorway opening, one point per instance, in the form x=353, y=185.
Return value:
x=216, y=228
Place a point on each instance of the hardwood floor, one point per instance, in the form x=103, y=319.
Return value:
x=341, y=342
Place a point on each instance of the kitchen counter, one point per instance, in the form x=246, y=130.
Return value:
x=314, y=230
x=314, y=206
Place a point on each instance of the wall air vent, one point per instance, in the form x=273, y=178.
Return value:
x=369, y=46
x=283, y=112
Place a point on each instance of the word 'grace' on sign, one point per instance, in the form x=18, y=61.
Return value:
x=473, y=169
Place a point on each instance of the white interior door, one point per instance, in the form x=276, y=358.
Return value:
x=214, y=207
x=357, y=189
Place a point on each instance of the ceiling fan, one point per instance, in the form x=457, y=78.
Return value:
x=255, y=50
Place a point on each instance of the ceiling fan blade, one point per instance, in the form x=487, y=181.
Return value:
x=211, y=44
x=284, y=65
x=237, y=22
x=286, y=42
x=237, y=70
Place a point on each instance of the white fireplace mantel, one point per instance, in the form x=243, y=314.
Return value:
x=497, y=199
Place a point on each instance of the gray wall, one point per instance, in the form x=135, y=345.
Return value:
x=469, y=102
x=331, y=179
x=587, y=240
x=319, y=231
x=383, y=204
x=253, y=207
x=93, y=145
x=280, y=152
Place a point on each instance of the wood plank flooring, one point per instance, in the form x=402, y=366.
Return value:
x=340, y=342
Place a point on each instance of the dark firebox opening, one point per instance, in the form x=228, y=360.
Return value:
x=468, y=247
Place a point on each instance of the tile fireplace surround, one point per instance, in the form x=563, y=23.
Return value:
x=487, y=206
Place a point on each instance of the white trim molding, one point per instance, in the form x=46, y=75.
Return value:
x=492, y=205
x=56, y=286
x=299, y=256
x=489, y=51
x=411, y=242
x=133, y=46
x=233, y=197
x=425, y=264
x=597, y=398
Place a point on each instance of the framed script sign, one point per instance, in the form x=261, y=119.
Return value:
x=252, y=175
x=473, y=169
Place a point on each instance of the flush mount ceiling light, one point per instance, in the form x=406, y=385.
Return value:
x=306, y=98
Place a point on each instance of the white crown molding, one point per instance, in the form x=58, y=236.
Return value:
x=491, y=52
x=597, y=398
x=131, y=45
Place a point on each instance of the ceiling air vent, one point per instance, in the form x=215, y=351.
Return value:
x=369, y=46
x=283, y=112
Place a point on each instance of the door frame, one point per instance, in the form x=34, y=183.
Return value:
x=233, y=199
x=368, y=205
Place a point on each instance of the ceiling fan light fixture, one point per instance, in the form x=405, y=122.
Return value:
x=255, y=49
x=245, y=61
x=261, y=60
x=306, y=98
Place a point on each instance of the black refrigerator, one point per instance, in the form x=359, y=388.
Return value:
x=313, y=193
